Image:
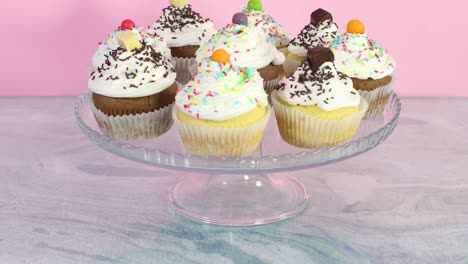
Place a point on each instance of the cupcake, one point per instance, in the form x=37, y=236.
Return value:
x=367, y=63
x=317, y=106
x=133, y=90
x=184, y=30
x=247, y=47
x=319, y=33
x=275, y=33
x=111, y=44
x=223, y=110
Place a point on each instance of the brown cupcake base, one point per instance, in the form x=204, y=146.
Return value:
x=371, y=84
x=184, y=52
x=270, y=72
x=133, y=106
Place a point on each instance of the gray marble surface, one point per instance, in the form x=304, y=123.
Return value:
x=64, y=200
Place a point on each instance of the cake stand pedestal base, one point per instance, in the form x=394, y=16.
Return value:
x=238, y=200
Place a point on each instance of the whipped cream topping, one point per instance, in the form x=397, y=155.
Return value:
x=221, y=91
x=327, y=88
x=181, y=26
x=138, y=73
x=275, y=33
x=312, y=36
x=246, y=45
x=111, y=44
x=359, y=57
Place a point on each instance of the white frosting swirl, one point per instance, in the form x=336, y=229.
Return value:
x=133, y=74
x=361, y=58
x=221, y=92
x=111, y=44
x=327, y=88
x=246, y=45
x=181, y=26
x=275, y=33
x=312, y=36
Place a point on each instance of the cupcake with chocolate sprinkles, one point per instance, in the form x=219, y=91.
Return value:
x=274, y=31
x=223, y=110
x=133, y=90
x=320, y=32
x=111, y=44
x=317, y=106
x=368, y=64
x=248, y=47
x=184, y=30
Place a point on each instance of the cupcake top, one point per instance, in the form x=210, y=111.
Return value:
x=246, y=45
x=275, y=33
x=111, y=44
x=317, y=82
x=134, y=69
x=320, y=32
x=181, y=26
x=221, y=91
x=359, y=57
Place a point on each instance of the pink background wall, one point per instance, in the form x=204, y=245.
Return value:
x=46, y=45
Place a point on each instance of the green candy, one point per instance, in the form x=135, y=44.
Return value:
x=255, y=5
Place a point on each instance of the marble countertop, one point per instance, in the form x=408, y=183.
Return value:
x=65, y=200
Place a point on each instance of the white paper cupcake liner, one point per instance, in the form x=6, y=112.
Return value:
x=290, y=66
x=221, y=142
x=134, y=127
x=305, y=131
x=182, y=66
x=377, y=99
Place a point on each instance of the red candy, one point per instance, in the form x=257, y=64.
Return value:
x=127, y=24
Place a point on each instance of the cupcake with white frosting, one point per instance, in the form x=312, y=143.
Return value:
x=223, y=110
x=320, y=32
x=133, y=90
x=111, y=44
x=248, y=47
x=317, y=106
x=274, y=31
x=184, y=30
x=369, y=65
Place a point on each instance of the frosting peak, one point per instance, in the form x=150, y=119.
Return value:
x=320, y=32
x=181, y=26
x=359, y=57
x=130, y=74
x=324, y=86
x=246, y=45
x=221, y=91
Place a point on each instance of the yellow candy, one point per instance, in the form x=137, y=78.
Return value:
x=220, y=56
x=129, y=40
x=178, y=3
x=356, y=27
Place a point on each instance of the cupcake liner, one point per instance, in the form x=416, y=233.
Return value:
x=221, y=142
x=271, y=85
x=182, y=66
x=134, y=127
x=290, y=66
x=305, y=131
x=377, y=99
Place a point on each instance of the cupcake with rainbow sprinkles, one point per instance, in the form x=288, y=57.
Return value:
x=223, y=110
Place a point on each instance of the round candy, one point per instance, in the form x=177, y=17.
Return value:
x=178, y=3
x=355, y=27
x=220, y=56
x=240, y=19
x=127, y=24
x=255, y=5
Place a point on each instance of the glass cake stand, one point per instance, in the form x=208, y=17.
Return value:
x=248, y=191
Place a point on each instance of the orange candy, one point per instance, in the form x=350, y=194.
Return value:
x=220, y=56
x=356, y=27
